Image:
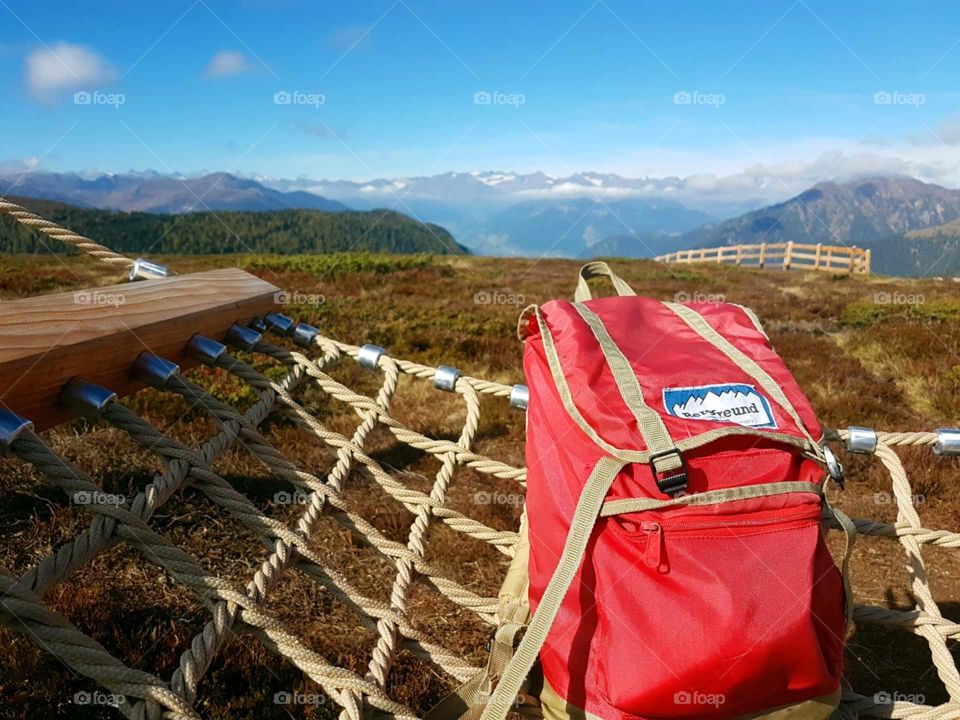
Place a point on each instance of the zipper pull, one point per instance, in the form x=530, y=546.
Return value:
x=653, y=555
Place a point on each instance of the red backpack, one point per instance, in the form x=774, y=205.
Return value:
x=676, y=564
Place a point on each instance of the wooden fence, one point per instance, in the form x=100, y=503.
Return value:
x=830, y=258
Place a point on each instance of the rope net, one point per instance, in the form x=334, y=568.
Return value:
x=234, y=610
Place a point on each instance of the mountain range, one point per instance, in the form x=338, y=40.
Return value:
x=492, y=212
x=913, y=227
x=167, y=194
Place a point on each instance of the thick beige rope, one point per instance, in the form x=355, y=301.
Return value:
x=58, y=232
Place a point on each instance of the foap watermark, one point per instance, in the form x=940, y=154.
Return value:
x=898, y=298
x=695, y=697
x=91, y=497
x=498, y=297
x=885, y=498
x=698, y=297
x=99, y=298
x=696, y=97
x=498, y=97
x=96, y=697
x=292, y=697
x=896, y=97
x=296, y=97
x=490, y=497
x=888, y=698
x=298, y=298
x=97, y=98
x=297, y=497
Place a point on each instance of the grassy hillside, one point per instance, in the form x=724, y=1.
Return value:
x=281, y=232
x=881, y=352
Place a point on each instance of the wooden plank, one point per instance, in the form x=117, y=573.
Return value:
x=97, y=334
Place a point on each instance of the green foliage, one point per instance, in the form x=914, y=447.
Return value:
x=866, y=313
x=324, y=266
x=284, y=232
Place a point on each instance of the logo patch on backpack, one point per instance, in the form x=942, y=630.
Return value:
x=731, y=403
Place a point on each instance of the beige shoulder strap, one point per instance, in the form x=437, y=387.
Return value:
x=588, y=510
x=598, y=268
x=652, y=428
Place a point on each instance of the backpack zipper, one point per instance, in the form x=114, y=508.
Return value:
x=798, y=515
x=654, y=552
x=655, y=533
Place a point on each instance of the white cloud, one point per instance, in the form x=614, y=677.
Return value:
x=227, y=63
x=19, y=166
x=53, y=71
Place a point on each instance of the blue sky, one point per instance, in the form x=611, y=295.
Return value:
x=718, y=89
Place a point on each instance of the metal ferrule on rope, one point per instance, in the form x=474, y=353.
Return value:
x=86, y=399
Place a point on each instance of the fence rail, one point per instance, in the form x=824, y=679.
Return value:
x=788, y=255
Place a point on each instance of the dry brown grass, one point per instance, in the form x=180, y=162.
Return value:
x=887, y=365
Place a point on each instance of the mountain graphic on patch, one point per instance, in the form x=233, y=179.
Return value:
x=729, y=403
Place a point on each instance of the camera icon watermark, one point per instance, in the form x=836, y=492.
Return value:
x=885, y=498
x=97, y=697
x=498, y=297
x=296, y=97
x=696, y=97
x=283, y=297
x=497, y=97
x=889, y=698
x=297, y=497
x=95, y=97
x=488, y=497
x=91, y=497
x=896, y=97
x=695, y=697
x=698, y=297
x=293, y=697
x=98, y=298
x=898, y=298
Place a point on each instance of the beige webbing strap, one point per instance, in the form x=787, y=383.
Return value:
x=710, y=497
x=468, y=701
x=654, y=432
x=581, y=525
x=563, y=389
x=699, y=325
x=598, y=268
x=850, y=534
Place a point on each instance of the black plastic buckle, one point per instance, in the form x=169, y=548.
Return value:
x=671, y=484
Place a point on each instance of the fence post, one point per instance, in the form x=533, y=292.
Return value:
x=816, y=259
x=866, y=262
x=787, y=253
x=763, y=253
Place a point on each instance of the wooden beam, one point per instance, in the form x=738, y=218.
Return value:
x=97, y=334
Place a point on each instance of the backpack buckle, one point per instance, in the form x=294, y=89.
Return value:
x=671, y=484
